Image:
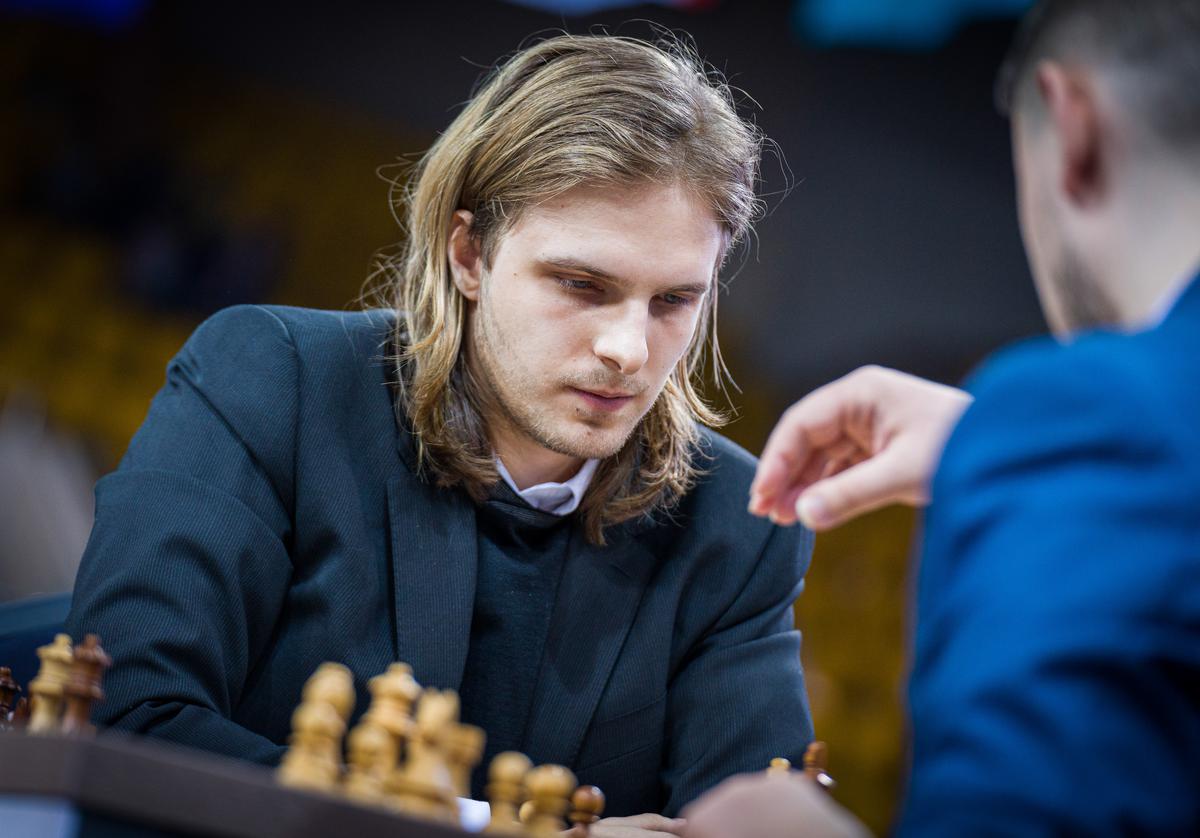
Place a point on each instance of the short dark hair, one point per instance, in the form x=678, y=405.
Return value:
x=1157, y=41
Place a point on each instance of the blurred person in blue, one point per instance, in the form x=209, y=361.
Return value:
x=501, y=479
x=1056, y=680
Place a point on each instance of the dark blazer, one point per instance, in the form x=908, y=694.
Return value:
x=1056, y=688
x=268, y=517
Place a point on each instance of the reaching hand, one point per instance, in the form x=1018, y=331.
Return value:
x=763, y=806
x=871, y=438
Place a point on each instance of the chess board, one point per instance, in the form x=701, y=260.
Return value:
x=409, y=757
x=399, y=772
x=133, y=786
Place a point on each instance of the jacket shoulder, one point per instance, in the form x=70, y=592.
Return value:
x=247, y=322
x=1095, y=430
x=715, y=508
x=318, y=329
x=256, y=366
x=246, y=339
x=1103, y=384
x=1087, y=362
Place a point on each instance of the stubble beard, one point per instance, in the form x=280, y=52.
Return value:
x=1081, y=300
x=512, y=396
x=1084, y=302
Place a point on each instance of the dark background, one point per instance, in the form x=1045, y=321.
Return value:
x=161, y=160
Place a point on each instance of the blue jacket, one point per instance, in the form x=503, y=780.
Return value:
x=268, y=517
x=1056, y=686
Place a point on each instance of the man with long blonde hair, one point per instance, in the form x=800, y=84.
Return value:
x=505, y=481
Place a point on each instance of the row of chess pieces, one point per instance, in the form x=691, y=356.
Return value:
x=61, y=696
x=409, y=752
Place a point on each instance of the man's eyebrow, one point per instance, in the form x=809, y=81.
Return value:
x=576, y=266
x=696, y=288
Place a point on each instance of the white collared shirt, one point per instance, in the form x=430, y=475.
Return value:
x=555, y=498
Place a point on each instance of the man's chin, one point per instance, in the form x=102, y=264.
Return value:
x=590, y=444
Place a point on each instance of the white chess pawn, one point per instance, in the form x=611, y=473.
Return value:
x=313, y=759
x=371, y=754
x=550, y=788
x=506, y=791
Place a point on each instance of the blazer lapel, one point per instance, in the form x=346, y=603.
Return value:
x=434, y=555
x=598, y=597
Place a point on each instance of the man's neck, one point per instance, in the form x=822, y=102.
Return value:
x=1160, y=255
x=529, y=463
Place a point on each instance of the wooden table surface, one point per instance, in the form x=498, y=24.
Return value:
x=152, y=784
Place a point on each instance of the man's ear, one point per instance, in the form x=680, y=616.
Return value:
x=466, y=258
x=1071, y=107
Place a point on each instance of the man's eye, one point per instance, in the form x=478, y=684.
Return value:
x=576, y=284
x=676, y=300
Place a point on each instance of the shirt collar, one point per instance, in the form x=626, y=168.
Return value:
x=555, y=498
x=1168, y=304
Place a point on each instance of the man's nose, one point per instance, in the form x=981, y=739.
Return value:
x=621, y=343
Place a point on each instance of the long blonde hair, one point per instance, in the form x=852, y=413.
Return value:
x=570, y=110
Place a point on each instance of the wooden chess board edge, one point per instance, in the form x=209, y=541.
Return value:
x=190, y=791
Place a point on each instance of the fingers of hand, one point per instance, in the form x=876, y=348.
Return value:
x=841, y=457
x=648, y=820
x=810, y=424
x=648, y=825
x=860, y=488
x=774, y=475
x=829, y=460
x=868, y=439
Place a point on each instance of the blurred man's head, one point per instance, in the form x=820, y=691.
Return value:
x=1105, y=103
x=558, y=287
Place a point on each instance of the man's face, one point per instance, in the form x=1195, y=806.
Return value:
x=591, y=301
x=1072, y=297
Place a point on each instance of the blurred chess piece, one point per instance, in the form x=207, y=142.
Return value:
x=816, y=763
x=587, y=805
x=464, y=748
x=393, y=694
x=333, y=684
x=312, y=759
x=372, y=756
x=82, y=689
x=375, y=745
x=314, y=756
x=423, y=785
x=20, y=714
x=10, y=691
x=506, y=791
x=46, y=690
x=779, y=765
x=549, y=788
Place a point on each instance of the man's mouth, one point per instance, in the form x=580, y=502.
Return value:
x=607, y=400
